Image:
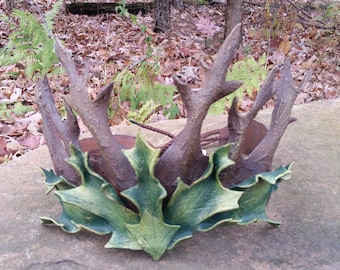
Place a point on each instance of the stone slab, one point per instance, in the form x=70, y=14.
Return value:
x=308, y=207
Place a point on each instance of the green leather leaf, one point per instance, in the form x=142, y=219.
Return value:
x=152, y=233
x=72, y=216
x=191, y=205
x=99, y=198
x=53, y=181
x=74, y=219
x=97, y=207
x=257, y=191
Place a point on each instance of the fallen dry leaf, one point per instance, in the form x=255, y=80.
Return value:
x=285, y=45
x=30, y=141
x=206, y=26
x=3, y=147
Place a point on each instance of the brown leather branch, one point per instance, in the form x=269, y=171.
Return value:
x=260, y=158
x=182, y=157
x=94, y=115
x=58, y=134
x=238, y=125
x=185, y=153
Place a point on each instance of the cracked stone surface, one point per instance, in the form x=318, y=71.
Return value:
x=308, y=206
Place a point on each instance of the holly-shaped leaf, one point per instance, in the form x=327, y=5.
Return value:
x=73, y=219
x=96, y=198
x=191, y=205
x=53, y=181
x=97, y=207
x=256, y=193
x=72, y=216
x=152, y=233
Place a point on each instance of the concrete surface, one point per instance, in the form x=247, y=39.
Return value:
x=308, y=207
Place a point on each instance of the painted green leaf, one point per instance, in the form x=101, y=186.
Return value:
x=97, y=207
x=73, y=219
x=191, y=205
x=151, y=232
x=53, y=181
x=257, y=191
x=96, y=198
x=72, y=216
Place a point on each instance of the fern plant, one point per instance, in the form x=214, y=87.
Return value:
x=251, y=72
x=30, y=43
x=144, y=94
x=121, y=8
x=7, y=111
x=144, y=113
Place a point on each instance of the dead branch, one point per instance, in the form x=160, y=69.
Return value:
x=151, y=128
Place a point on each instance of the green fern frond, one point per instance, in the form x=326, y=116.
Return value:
x=7, y=110
x=140, y=88
x=144, y=112
x=251, y=72
x=30, y=43
x=32, y=69
x=4, y=18
x=218, y=107
x=51, y=14
x=20, y=109
x=4, y=111
x=124, y=85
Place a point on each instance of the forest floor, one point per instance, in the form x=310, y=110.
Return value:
x=114, y=43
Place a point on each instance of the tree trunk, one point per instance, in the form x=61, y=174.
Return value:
x=10, y=4
x=88, y=8
x=178, y=4
x=162, y=15
x=233, y=16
